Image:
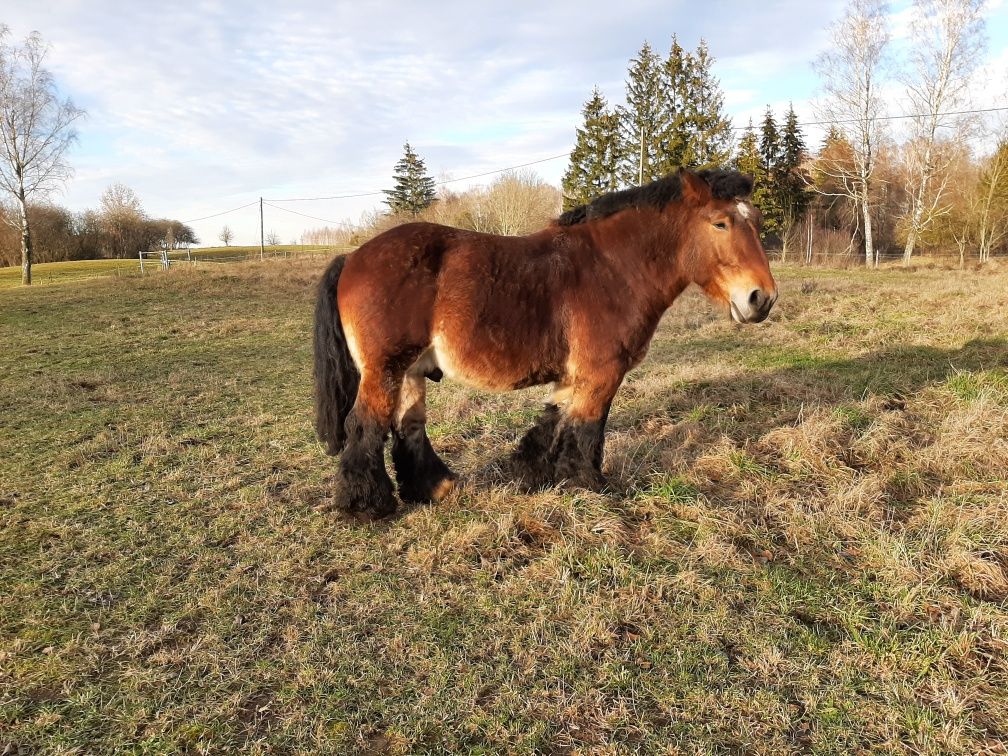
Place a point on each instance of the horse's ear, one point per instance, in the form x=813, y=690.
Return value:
x=695, y=190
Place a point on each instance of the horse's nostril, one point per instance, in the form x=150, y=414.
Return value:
x=755, y=297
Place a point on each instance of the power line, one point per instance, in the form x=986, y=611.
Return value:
x=502, y=170
x=436, y=183
x=379, y=192
x=334, y=197
x=303, y=215
x=567, y=154
x=892, y=117
x=223, y=212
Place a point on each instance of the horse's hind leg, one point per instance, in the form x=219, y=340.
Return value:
x=421, y=474
x=365, y=486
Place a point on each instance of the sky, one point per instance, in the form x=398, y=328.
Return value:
x=201, y=107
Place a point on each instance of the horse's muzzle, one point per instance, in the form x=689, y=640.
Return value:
x=753, y=306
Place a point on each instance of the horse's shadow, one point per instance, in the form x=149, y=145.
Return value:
x=892, y=374
x=777, y=397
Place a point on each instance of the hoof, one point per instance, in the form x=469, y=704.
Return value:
x=442, y=489
x=591, y=480
x=530, y=474
x=366, y=501
x=428, y=491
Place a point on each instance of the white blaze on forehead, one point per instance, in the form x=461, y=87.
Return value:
x=744, y=210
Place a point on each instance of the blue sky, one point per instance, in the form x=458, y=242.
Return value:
x=205, y=106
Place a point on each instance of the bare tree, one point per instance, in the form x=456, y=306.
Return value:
x=851, y=72
x=36, y=128
x=122, y=221
x=517, y=202
x=226, y=235
x=946, y=44
x=119, y=199
x=273, y=239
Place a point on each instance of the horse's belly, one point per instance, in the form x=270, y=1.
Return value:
x=476, y=368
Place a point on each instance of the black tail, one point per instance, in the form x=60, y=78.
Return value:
x=336, y=375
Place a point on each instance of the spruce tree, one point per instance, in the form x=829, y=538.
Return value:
x=644, y=118
x=594, y=161
x=677, y=71
x=414, y=189
x=766, y=194
x=747, y=156
x=792, y=189
x=709, y=129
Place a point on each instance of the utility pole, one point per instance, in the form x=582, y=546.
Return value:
x=262, y=252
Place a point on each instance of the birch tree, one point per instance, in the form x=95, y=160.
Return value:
x=852, y=71
x=990, y=203
x=36, y=129
x=946, y=44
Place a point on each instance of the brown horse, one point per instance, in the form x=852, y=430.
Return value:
x=574, y=305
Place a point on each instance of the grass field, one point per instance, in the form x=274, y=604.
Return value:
x=811, y=553
x=78, y=270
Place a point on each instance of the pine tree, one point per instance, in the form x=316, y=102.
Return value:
x=709, y=129
x=414, y=189
x=766, y=194
x=594, y=161
x=644, y=119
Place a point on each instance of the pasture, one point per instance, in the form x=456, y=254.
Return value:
x=78, y=270
x=809, y=551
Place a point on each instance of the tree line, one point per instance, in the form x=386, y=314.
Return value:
x=119, y=227
x=862, y=188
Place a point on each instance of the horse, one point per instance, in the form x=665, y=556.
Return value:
x=574, y=305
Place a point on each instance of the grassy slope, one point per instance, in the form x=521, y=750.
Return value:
x=78, y=270
x=811, y=553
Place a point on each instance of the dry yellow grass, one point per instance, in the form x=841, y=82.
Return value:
x=809, y=553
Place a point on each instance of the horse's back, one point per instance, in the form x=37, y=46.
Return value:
x=486, y=309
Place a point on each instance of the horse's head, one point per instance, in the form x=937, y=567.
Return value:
x=726, y=257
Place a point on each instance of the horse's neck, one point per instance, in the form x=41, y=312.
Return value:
x=650, y=254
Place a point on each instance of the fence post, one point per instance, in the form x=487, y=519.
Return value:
x=141, y=261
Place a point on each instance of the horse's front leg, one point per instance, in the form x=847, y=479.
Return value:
x=530, y=464
x=577, y=449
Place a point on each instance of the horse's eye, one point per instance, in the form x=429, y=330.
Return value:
x=721, y=226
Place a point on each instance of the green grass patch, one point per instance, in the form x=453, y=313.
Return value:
x=79, y=270
x=672, y=489
x=971, y=386
x=775, y=358
x=852, y=417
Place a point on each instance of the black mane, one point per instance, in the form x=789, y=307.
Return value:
x=724, y=184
